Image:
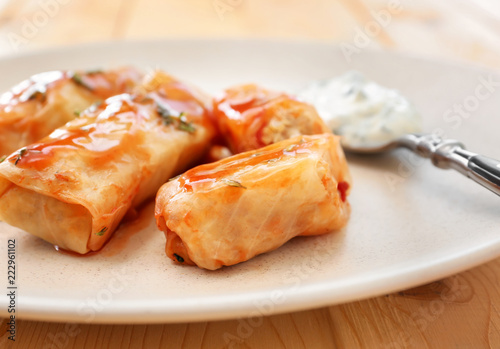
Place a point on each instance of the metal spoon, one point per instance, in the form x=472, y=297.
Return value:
x=445, y=154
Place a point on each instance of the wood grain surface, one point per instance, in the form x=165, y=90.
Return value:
x=462, y=311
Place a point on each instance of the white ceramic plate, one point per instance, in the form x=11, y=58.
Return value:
x=411, y=223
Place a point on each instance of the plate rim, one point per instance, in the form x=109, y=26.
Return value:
x=319, y=295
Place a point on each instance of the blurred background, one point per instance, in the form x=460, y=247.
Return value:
x=464, y=30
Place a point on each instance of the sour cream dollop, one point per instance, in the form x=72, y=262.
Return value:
x=364, y=113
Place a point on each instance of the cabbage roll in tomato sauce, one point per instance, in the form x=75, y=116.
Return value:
x=37, y=106
x=250, y=117
x=229, y=211
x=73, y=187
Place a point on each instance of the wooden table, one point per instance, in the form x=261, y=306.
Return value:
x=462, y=311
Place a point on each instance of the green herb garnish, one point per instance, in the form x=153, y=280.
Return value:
x=94, y=71
x=184, y=125
x=165, y=114
x=169, y=119
x=233, y=183
x=179, y=258
x=77, y=113
x=77, y=78
x=2, y=159
x=102, y=231
x=22, y=151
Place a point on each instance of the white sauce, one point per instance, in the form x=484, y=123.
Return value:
x=361, y=111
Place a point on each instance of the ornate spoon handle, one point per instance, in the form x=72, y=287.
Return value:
x=447, y=153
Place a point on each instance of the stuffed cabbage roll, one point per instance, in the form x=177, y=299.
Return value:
x=73, y=187
x=229, y=211
x=250, y=117
x=37, y=106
